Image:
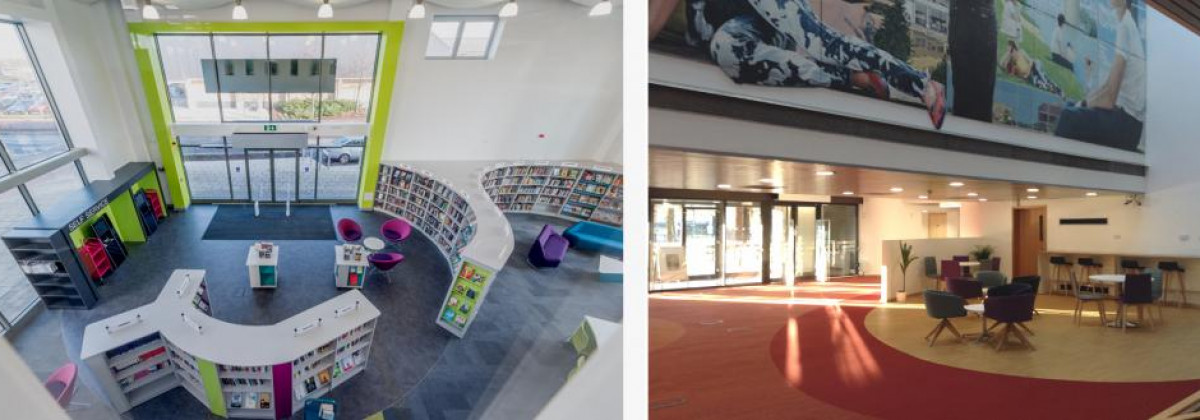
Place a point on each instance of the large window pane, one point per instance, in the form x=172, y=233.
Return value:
x=340, y=165
x=476, y=37
x=49, y=188
x=295, y=80
x=355, y=76
x=182, y=55
x=15, y=292
x=28, y=129
x=207, y=170
x=242, y=75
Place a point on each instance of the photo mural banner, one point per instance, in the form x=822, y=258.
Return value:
x=1071, y=68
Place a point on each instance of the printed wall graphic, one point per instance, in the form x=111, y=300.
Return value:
x=1070, y=68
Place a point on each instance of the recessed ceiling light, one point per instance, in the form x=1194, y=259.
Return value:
x=956, y=184
x=924, y=211
x=724, y=186
x=767, y=181
x=972, y=194
x=923, y=197
x=1032, y=197
x=847, y=192
x=1092, y=194
x=825, y=173
x=896, y=189
x=982, y=200
x=1032, y=190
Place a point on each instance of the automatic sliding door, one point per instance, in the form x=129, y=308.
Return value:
x=702, y=241
x=743, y=243
x=843, y=238
x=258, y=166
x=286, y=173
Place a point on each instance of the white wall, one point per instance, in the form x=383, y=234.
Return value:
x=556, y=72
x=940, y=249
x=882, y=219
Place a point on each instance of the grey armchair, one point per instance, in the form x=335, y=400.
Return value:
x=943, y=306
x=991, y=278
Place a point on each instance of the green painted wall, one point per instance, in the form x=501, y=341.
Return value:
x=391, y=34
x=212, y=387
x=150, y=181
x=124, y=217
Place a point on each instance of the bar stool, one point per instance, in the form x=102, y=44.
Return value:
x=1131, y=267
x=1172, y=270
x=1059, y=266
x=1087, y=267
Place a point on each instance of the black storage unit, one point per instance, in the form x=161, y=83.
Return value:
x=145, y=213
x=52, y=267
x=104, y=230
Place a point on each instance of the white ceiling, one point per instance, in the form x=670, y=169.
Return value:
x=671, y=168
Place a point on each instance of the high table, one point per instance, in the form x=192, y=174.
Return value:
x=1119, y=280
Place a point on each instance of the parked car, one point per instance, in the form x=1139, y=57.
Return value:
x=344, y=150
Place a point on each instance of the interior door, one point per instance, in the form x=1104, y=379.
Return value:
x=1029, y=240
x=937, y=225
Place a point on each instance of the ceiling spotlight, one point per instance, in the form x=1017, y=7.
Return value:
x=239, y=11
x=972, y=194
x=149, y=12
x=847, y=192
x=922, y=197
x=956, y=184
x=896, y=189
x=825, y=173
x=1032, y=190
x=417, y=11
x=603, y=8
x=767, y=181
x=509, y=9
x=1091, y=194
x=325, y=11
x=1031, y=197
x=724, y=186
x=982, y=200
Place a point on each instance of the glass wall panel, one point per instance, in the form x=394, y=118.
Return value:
x=295, y=76
x=743, y=243
x=238, y=173
x=206, y=167
x=340, y=165
x=15, y=292
x=355, y=57
x=259, y=167
x=285, y=174
x=843, y=238
x=308, y=170
x=243, y=76
x=28, y=128
x=49, y=188
x=182, y=67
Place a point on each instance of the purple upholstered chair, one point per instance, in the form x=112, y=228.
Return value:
x=1011, y=311
x=395, y=230
x=385, y=261
x=349, y=230
x=995, y=263
x=964, y=287
x=548, y=249
x=1138, y=291
x=951, y=269
x=961, y=258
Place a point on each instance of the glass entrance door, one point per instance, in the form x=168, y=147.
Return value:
x=327, y=170
x=701, y=241
x=793, y=242
x=273, y=174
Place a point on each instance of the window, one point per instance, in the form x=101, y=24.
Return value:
x=462, y=37
x=29, y=125
x=267, y=77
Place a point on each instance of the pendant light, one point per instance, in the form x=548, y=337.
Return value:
x=417, y=11
x=325, y=11
x=603, y=8
x=149, y=12
x=509, y=9
x=239, y=11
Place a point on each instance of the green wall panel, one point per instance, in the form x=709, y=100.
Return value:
x=212, y=387
x=125, y=217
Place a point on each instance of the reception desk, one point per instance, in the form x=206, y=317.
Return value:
x=243, y=371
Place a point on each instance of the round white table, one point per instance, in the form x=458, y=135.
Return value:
x=977, y=309
x=373, y=244
x=967, y=266
x=1119, y=280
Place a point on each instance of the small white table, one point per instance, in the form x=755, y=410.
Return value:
x=977, y=309
x=611, y=269
x=1119, y=280
x=373, y=244
x=967, y=266
x=350, y=266
x=264, y=270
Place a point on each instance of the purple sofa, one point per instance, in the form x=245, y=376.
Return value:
x=548, y=249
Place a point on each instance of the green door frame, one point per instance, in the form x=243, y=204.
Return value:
x=154, y=84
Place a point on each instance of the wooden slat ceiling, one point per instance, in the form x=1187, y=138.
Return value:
x=1185, y=12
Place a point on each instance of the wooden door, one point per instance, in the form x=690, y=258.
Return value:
x=937, y=225
x=1029, y=240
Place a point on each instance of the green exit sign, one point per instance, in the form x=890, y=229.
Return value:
x=270, y=127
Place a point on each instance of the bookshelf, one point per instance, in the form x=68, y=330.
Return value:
x=570, y=190
x=430, y=204
x=236, y=371
x=52, y=267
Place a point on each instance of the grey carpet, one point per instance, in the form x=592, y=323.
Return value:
x=238, y=222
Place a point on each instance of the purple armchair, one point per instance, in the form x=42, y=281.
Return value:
x=1011, y=312
x=395, y=230
x=964, y=287
x=548, y=249
x=349, y=230
x=385, y=261
x=961, y=258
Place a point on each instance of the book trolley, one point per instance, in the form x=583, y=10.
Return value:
x=238, y=371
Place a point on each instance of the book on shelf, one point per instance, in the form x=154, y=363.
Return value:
x=251, y=400
x=235, y=400
x=264, y=400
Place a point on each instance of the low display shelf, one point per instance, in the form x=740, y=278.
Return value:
x=572, y=190
x=236, y=371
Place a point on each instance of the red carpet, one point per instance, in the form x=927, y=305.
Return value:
x=828, y=354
